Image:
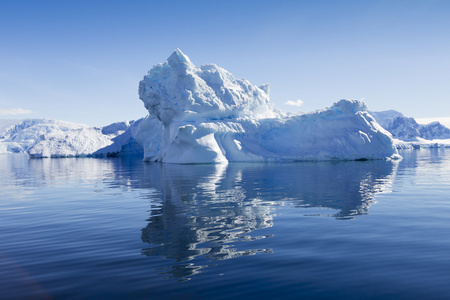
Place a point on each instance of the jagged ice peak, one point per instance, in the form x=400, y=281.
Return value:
x=177, y=58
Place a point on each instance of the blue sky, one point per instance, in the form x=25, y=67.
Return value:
x=81, y=61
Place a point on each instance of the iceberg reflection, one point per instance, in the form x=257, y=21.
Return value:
x=202, y=213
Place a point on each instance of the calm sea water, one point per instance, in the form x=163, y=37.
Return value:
x=120, y=228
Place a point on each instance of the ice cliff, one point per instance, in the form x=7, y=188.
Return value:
x=205, y=115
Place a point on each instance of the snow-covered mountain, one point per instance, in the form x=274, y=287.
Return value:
x=205, y=115
x=18, y=136
x=53, y=138
x=408, y=130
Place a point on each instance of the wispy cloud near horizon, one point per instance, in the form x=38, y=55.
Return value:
x=14, y=111
x=297, y=103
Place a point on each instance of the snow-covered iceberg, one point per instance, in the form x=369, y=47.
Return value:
x=205, y=115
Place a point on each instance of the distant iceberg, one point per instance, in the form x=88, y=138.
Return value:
x=205, y=115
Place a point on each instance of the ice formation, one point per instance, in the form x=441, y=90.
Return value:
x=205, y=115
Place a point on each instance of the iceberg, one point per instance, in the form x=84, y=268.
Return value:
x=205, y=115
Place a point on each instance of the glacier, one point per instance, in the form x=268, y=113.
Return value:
x=203, y=114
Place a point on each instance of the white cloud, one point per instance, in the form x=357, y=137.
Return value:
x=15, y=111
x=294, y=103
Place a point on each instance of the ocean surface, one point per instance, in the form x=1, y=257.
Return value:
x=120, y=228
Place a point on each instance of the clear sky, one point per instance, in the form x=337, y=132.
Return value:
x=81, y=61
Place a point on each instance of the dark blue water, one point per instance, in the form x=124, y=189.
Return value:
x=124, y=229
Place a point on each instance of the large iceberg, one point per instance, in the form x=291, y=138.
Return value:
x=205, y=115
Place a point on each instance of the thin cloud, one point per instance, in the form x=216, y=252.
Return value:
x=297, y=103
x=15, y=111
